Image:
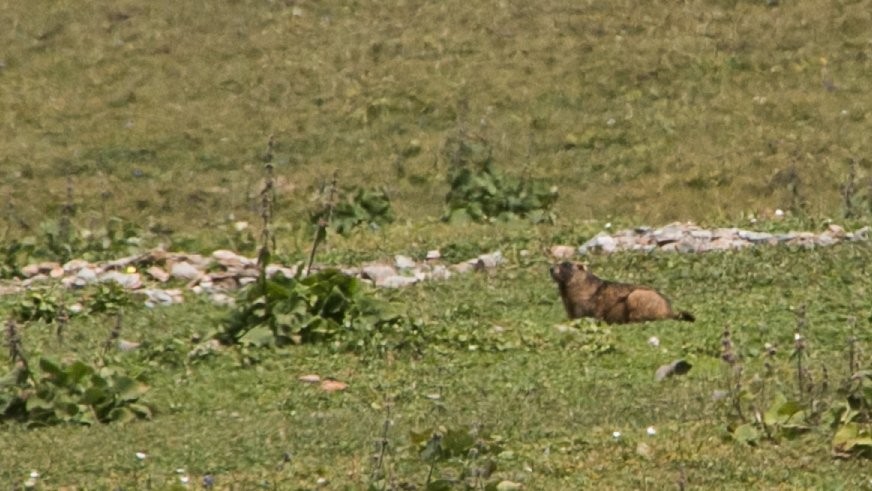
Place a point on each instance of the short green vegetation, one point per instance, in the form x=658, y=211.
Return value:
x=350, y=132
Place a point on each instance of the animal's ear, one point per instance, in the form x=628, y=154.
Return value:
x=582, y=267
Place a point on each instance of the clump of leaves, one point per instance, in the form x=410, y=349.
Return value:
x=71, y=393
x=468, y=453
x=14, y=255
x=326, y=306
x=481, y=193
x=108, y=297
x=60, y=240
x=853, y=418
x=356, y=207
x=37, y=305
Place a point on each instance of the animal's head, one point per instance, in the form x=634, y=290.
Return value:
x=563, y=272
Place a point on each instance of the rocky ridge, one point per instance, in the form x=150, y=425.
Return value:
x=222, y=272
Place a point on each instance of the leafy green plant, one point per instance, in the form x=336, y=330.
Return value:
x=853, y=418
x=108, y=297
x=326, y=306
x=71, y=393
x=468, y=452
x=481, y=193
x=15, y=255
x=37, y=305
x=357, y=207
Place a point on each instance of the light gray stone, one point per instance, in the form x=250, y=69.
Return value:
x=184, y=271
x=377, y=272
x=404, y=262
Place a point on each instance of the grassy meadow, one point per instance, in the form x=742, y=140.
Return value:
x=146, y=123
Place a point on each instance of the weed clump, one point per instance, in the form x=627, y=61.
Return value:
x=481, y=193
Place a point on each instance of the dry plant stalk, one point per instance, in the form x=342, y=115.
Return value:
x=323, y=223
x=267, y=200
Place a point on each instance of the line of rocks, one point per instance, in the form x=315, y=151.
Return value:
x=223, y=272
x=690, y=238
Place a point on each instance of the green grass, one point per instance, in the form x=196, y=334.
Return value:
x=642, y=113
x=160, y=112
x=551, y=406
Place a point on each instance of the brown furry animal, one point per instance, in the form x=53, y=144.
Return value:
x=585, y=295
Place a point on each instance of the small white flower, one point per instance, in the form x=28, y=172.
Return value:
x=608, y=225
x=611, y=122
x=75, y=308
x=180, y=470
x=651, y=431
x=30, y=483
x=844, y=112
x=779, y=213
x=616, y=435
x=797, y=337
x=654, y=341
x=140, y=455
x=34, y=475
x=184, y=480
x=321, y=481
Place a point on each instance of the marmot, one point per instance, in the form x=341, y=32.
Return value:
x=585, y=295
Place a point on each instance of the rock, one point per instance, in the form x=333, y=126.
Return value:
x=860, y=233
x=433, y=255
x=130, y=281
x=677, y=367
x=123, y=262
x=185, y=271
x=836, y=231
x=158, y=273
x=562, y=252
x=74, y=265
x=377, y=272
x=701, y=234
x=602, y=242
x=85, y=276
x=440, y=273
x=41, y=268
x=223, y=280
x=825, y=239
x=56, y=273
x=230, y=259
x=404, y=262
x=756, y=237
x=156, y=296
x=330, y=385
x=396, y=281
x=668, y=234
x=491, y=260
x=464, y=267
